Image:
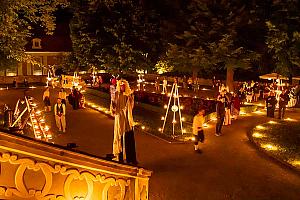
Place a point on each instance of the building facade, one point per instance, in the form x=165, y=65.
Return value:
x=48, y=51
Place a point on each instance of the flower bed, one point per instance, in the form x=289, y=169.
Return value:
x=280, y=140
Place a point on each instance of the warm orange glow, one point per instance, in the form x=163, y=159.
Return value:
x=272, y=122
x=269, y=147
x=258, y=135
x=291, y=120
x=295, y=162
x=260, y=127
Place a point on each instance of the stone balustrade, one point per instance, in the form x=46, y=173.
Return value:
x=35, y=170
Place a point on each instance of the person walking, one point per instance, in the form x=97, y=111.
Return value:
x=220, y=110
x=60, y=115
x=198, y=132
x=283, y=101
x=15, y=83
x=271, y=105
x=256, y=92
x=75, y=97
x=157, y=83
x=46, y=100
x=63, y=95
x=235, y=106
x=227, y=120
x=26, y=82
x=165, y=84
x=124, y=142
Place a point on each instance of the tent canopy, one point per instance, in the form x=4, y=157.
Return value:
x=296, y=78
x=273, y=76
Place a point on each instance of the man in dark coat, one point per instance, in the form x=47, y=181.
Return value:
x=271, y=105
x=220, y=109
x=283, y=101
x=75, y=96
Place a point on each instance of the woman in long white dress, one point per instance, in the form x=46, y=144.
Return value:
x=124, y=142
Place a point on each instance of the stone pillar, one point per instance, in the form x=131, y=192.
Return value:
x=19, y=69
x=29, y=69
x=45, y=63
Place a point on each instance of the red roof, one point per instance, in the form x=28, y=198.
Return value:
x=52, y=43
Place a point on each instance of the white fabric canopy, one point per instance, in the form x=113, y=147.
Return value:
x=296, y=78
x=273, y=76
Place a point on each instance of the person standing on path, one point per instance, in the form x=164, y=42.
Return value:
x=46, y=100
x=60, y=115
x=63, y=95
x=198, y=132
x=220, y=110
x=165, y=84
x=227, y=120
x=75, y=96
x=283, y=101
x=157, y=84
x=271, y=105
x=236, y=106
x=124, y=142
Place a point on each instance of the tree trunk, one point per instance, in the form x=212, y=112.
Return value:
x=195, y=73
x=229, y=77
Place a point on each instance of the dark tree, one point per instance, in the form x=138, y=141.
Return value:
x=115, y=35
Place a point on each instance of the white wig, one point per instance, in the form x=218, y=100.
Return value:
x=127, y=88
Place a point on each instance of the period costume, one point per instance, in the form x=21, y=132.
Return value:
x=283, y=101
x=157, y=87
x=271, y=105
x=124, y=142
x=235, y=107
x=227, y=119
x=220, y=110
x=60, y=116
x=46, y=100
x=63, y=95
x=198, y=132
x=75, y=99
x=165, y=84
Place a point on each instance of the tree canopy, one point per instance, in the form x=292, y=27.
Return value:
x=283, y=38
x=115, y=35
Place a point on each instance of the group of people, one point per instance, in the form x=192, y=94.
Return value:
x=15, y=83
x=271, y=103
x=185, y=82
x=76, y=99
x=228, y=104
x=227, y=108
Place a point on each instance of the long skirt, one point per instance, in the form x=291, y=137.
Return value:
x=130, y=147
x=47, y=101
x=227, y=120
x=235, y=113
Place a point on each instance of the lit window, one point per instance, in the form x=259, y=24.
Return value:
x=36, y=43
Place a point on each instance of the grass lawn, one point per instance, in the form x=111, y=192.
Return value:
x=280, y=140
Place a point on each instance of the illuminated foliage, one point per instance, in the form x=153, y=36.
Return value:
x=163, y=67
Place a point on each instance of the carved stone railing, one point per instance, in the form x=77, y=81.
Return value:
x=35, y=170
